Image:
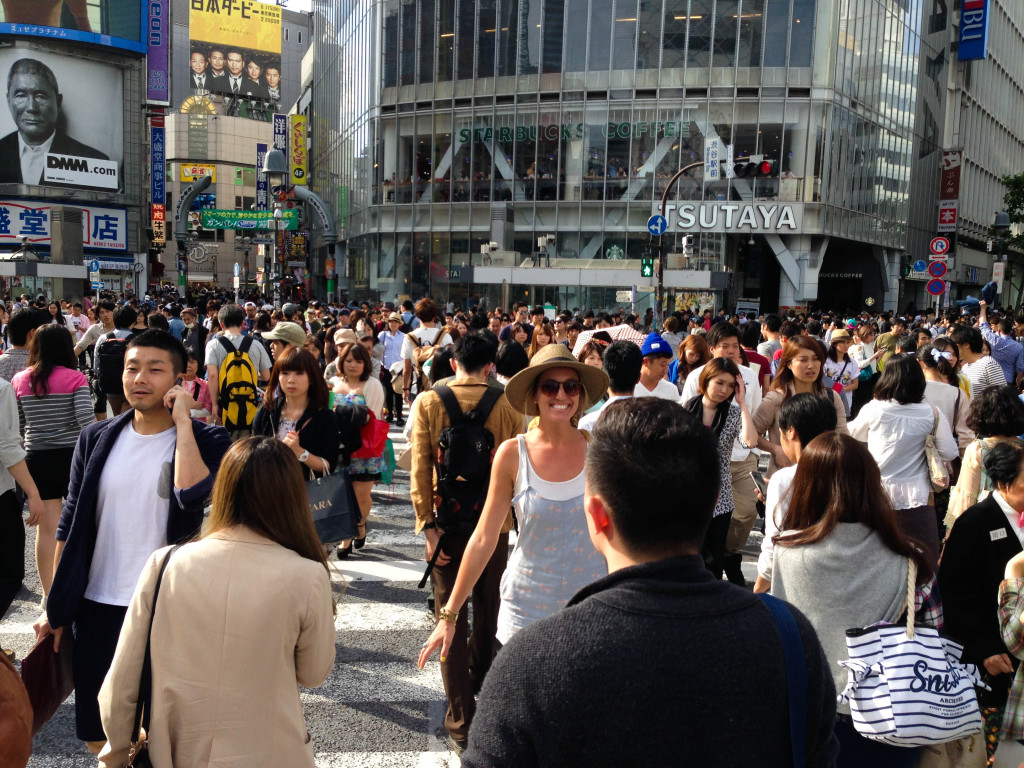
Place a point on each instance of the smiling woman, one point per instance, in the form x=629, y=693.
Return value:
x=541, y=475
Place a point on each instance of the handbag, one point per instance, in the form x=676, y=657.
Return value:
x=907, y=686
x=938, y=472
x=968, y=752
x=374, y=434
x=332, y=503
x=138, y=755
x=47, y=677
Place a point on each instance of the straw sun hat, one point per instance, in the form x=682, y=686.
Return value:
x=519, y=389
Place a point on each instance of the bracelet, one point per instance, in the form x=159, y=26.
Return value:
x=429, y=525
x=450, y=616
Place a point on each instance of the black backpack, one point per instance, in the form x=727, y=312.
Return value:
x=110, y=364
x=465, y=451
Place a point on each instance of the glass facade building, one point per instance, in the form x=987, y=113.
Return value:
x=442, y=126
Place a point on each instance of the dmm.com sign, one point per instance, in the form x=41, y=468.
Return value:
x=248, y=219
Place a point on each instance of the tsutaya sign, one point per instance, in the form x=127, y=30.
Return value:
x=576, y=131
x=738, y=217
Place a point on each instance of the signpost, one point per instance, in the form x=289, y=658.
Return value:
x=937, y=269
x=936, y=287
x=939, y=247
x=224, y=219
x=920, y=265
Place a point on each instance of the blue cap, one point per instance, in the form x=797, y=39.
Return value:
x=655, y=345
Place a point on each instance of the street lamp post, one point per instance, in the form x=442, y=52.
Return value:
x=275, y=166
x=1001, y=226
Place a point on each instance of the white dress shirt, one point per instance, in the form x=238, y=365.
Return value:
x=33, y=159
x=1012, y=515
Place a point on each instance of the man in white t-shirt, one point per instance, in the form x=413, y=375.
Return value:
x=657, y=355
x=427, y=334
x=623, y=363
x=231, y=317
x=138, y=482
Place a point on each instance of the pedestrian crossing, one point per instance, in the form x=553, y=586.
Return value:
x=376, y=708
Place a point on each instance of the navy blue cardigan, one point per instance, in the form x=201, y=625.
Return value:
x=77, y=526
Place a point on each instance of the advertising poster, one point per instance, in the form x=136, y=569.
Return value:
x=225, y=219
x=116, y=24
x=70, y=110
x=102, y=228
x=158, y=27
x=235, y=50
x=297, y=147
x=262, y=185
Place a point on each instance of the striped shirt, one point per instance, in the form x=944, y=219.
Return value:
x=53, y=420
x=983, y=374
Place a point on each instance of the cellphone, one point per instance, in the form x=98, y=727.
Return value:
x=759, y=481
x=177, y=383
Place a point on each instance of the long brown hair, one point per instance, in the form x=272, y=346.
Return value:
x=547, y=329
x=358, y=351
x=714, y=367
x=837, y=480
x=698, y=344
x=260, y=485
x=793, y=347
x=51, y=348
x=298, y=361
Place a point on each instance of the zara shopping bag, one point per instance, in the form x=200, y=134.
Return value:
x=332, y=502
x=908, y=686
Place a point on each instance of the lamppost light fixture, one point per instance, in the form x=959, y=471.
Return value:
x=275, y=166
x=1002, y=223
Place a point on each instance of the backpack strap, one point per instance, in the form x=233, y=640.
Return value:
x=228, y=346
x=111, y=335
x=487, y=403
x=245, y=346
x=796, y=675
x=451, y=405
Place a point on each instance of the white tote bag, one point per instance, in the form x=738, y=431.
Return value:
x=908, y=687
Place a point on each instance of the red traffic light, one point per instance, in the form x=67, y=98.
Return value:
x=765, y=168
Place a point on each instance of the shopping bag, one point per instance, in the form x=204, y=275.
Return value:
x=388, y=474
x=332, y=502
x=47, y=677
x=374, y=434
x=907, y=686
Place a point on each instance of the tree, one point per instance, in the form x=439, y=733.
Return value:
x=1013, y=200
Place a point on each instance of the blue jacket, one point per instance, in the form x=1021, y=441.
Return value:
x=77, y=526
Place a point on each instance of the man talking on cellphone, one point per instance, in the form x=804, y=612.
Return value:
x=139, y=482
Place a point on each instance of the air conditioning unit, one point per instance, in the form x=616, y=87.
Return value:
x=66, y=235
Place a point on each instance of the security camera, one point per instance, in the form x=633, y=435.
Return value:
x=24, y=240
x=238, y=238
x=551, y=239
x=493, y=246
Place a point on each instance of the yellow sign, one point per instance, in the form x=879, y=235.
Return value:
x=236, y=23
x=297, y=149
x=192, y=171
x=159, y=231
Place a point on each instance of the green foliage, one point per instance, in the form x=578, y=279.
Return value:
x=1014, y=202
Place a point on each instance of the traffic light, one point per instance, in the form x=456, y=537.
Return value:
x=647, y=267
x=753, y=168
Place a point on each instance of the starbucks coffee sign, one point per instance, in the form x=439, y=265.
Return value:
x=735, y=217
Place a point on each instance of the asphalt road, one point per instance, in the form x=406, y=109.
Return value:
x=376, y=709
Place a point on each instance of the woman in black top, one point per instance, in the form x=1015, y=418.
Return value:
x=299, y=416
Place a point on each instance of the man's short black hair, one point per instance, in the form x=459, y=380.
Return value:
x=907, y=344
x=23, y=321
x=231, y=316
x=125, y=317
x=537, y=310
x=622, y=361
x=657, y=469
x=107, y=305
x=473, y=351
x=510, y=359
x=162, y=340
x=772, y=322
x=809, y=414
x=1004, y=460
x=997, y=411
x=964, y=335
x=750, y=336
x=790, y=330
x=721, y=331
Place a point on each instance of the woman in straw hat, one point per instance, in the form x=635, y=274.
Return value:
x=541, y=474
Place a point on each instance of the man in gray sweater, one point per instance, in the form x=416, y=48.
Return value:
x=658, y=663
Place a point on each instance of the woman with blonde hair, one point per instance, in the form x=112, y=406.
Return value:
x=243, y=618
x=693, y=353
x=543, y=335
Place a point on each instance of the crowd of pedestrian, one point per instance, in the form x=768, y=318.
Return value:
x=585, y=482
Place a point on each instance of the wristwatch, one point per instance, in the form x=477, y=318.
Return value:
x=303, y=456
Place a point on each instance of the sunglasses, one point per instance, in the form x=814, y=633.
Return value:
x=550, y=387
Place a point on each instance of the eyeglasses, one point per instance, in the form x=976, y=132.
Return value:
x=550, y=387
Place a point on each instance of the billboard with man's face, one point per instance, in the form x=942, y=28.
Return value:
x=63, y=123
x=235, y=50
x=117, y=23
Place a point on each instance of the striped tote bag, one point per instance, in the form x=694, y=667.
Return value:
x=907, y=686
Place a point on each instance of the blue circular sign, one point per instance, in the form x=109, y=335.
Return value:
x=94, y=265
x=920, y=265
x=936, y=287
x=937, y=269
x=657, y=225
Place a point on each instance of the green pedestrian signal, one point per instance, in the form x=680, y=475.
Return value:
x=647, y=267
